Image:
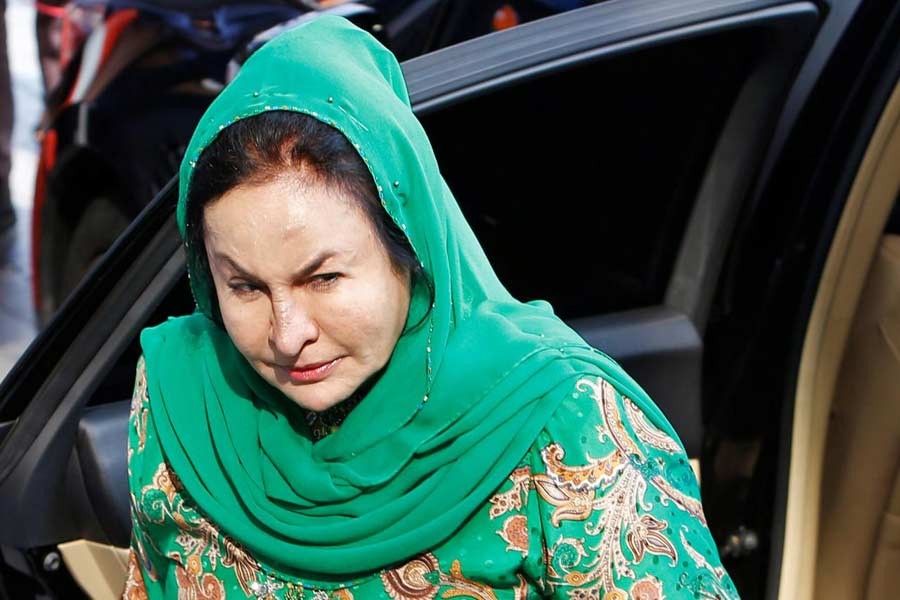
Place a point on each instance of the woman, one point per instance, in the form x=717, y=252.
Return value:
x=358, y=408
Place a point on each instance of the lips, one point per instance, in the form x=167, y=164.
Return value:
x=312, y=372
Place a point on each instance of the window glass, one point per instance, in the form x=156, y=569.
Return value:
x=579, y=184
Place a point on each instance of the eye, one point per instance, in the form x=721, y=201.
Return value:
x=243, y=288
x=325, y=280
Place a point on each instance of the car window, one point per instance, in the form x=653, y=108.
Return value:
x=579, y=185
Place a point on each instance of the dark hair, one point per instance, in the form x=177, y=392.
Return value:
x=260, y=148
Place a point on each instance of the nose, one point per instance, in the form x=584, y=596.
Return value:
x=291, y=329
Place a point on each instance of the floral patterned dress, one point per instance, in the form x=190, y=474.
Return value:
x=604, y=506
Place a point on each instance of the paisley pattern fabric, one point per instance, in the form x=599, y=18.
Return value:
x=604, y=506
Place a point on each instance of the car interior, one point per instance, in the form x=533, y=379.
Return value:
x=844, y=498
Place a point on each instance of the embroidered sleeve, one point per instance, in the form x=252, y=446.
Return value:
x=618, y=506
x=143, y=561
x=134, y=579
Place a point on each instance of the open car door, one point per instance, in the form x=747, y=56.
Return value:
x=602, y=157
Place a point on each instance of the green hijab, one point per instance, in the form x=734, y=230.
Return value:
x=460, y=402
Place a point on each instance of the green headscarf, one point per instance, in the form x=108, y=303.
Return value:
x=460, y=402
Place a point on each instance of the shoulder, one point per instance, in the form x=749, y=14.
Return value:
x=599, y=409
x=617, y=501
x=175, y=351
x=600, y=434
x=186, y=332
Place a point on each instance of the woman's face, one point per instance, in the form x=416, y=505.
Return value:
x=307, y=292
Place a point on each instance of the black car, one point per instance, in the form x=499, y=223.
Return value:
x=705, y=189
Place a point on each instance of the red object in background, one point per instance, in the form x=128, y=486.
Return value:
x=45, y=164
x=51, y=10
x=505, y=17
x=113, y=28
x=71, y=38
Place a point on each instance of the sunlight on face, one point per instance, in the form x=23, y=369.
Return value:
x=307, y=292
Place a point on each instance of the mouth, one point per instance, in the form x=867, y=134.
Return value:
x=312, y=372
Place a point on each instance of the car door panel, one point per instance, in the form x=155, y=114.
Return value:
x=102, y=437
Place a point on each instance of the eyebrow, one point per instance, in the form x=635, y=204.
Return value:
x=311, y=267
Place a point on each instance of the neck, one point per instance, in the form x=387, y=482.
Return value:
x=329, y=420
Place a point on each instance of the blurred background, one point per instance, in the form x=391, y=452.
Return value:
x=18, y=324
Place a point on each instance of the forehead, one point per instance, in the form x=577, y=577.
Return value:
x=285, y=209
x=287, y=200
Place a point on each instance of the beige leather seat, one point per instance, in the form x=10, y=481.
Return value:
x=859, y=543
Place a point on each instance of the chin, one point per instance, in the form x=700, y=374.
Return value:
x=316, y=400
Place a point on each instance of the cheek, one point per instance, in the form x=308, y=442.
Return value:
x=247, y=325
x=348, y=317
x=363, y=318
